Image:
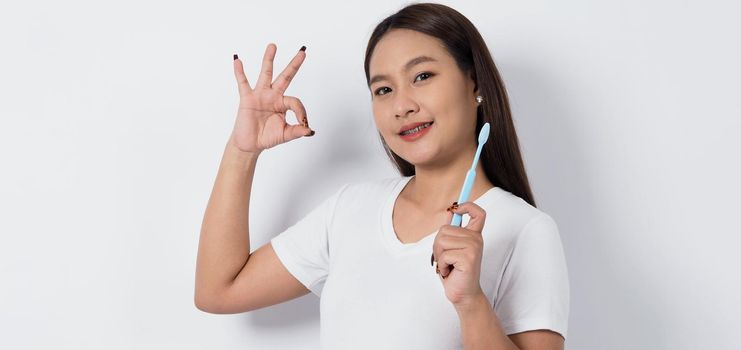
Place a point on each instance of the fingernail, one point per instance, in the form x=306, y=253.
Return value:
x=311, y=133
x=235, y=56
x=453, y=207
x=303, y=48
x=432, y=259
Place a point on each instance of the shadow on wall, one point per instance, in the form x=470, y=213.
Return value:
x=326, y=166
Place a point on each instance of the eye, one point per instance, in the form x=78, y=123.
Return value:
x=378, y=91
x=384, y=90
x=423, y=74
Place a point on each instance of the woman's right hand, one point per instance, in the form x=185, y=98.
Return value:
x=261, y=117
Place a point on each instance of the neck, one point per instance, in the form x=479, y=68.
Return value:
x=436, y=187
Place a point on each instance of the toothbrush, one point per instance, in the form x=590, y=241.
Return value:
x=471, y=174
x=470, y=177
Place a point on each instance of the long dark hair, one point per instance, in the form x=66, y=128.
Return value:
x=500, y=156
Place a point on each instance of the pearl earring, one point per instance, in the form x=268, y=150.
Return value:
x=479, y=99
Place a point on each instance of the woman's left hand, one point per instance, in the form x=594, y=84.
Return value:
x=458, y=251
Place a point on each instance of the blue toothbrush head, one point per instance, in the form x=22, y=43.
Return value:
x=484, y=133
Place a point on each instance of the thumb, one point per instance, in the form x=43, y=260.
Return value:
x=296, y=131
x=451, y=212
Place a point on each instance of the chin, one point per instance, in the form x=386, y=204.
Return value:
x=426, y=156
x=417, y=153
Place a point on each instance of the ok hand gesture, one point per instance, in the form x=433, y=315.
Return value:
x=261, y=116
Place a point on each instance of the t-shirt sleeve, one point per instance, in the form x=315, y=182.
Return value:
x=304, y=247
x=534, y=291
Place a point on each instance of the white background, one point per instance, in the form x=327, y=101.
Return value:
x=115, y=117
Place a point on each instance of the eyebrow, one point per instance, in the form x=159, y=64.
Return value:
x=413, y=62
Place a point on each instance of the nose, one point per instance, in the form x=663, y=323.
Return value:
x=404, y=104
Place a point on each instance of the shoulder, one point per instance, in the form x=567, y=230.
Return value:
x=369, y=189
x=513, y=217
x=363, y=196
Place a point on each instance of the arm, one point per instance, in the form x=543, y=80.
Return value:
x=225, y=282
x=461, y=249
x=224, y=245
x=481, y=329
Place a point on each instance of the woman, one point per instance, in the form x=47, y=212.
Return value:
x=501, y=279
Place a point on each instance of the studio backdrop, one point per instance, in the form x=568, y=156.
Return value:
x=114, y=117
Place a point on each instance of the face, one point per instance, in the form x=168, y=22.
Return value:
x=406, y=89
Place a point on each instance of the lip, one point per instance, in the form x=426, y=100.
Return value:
x=412, y=126
x=417, y=135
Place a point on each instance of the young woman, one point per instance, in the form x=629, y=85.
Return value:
x=497, y=282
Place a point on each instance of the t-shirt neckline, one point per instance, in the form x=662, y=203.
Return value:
x=391, y=241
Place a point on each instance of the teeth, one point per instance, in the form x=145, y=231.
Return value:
x=412, y=131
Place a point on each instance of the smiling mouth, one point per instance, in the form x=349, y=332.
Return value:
x=416, y=130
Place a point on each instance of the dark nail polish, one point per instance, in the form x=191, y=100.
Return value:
x=432, y=259
x=311, y=133
x=303, y=48
x=235, y=57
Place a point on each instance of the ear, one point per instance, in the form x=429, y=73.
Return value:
x=475, y=84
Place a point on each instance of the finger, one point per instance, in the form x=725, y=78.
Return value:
x=433, y=258
x=451, y=211
x=453, y=237
x=284, y=79
x=242, y=84
x=292, y=132
x=266, y=73
x=452, y=259
x=477, y=214
x=295, y=105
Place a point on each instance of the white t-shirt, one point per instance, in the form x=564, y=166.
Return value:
x=379, y=293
